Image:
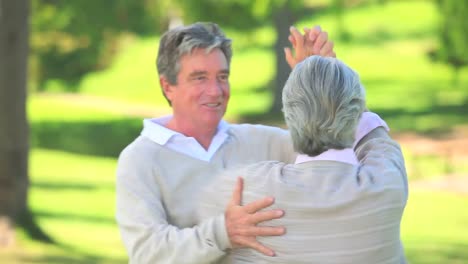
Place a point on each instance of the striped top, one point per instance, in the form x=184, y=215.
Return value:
x=336, y=212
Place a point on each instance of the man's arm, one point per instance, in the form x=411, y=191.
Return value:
x=149, y=238
x=381, y=157
x=142, y=220
x=377, y=152
x=374, y=147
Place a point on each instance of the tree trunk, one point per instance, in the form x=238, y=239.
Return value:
x=14, y=130
x=283, y=18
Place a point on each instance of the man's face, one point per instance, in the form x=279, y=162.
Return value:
x=200, y=97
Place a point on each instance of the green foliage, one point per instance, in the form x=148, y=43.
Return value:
x=339, y=6
x=71, y=38
x=389, y=53
x=453, y=33
x=244, y=15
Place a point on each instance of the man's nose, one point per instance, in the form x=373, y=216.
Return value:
x=215, y=88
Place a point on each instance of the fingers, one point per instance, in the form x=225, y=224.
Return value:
x=327, y=49
x=298, y=39
x=307, y=35
x=292, y=40
x=289, y=57
x=313, y=42
x=320, y=42
x=254, y=244
x=266, y=231
x=313, y=34
x=247, y=238
x=255, y=206
x=254, y=231
x=236, y=197
x=262, y=216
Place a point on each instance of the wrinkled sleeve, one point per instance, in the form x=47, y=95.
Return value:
x=382, y=161
x=382, y=157
x=368, y=122
x=216, y=196
x=143, y=224
x=279, y=145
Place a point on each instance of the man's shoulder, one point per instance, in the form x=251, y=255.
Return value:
x=265, y=166
x=262, y=172
x=256, y=130
x=141, y=147
x=255, y=127
x=254, y=170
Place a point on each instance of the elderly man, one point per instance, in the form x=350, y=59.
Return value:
x=341, y=206
x=161, y=173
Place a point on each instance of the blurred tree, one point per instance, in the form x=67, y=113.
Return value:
x=453, y=35
x=13, y=124
x=14, y=130
x=340, y=7
x=71, y=38
x=248, y=15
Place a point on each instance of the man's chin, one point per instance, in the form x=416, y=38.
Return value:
x=213, y=121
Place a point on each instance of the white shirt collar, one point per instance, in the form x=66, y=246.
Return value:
x=155, y=130
x=368, y=122
x=344, y=155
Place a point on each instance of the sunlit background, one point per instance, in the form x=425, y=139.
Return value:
x=92, y=79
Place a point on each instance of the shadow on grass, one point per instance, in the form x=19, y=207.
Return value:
x=109, y=138
x=60, y=259
x=75, y=217
x=435, y=122
x=27, y=220
x=438, y=253
x=97, y=138
x=54, y=186
x=71, y=255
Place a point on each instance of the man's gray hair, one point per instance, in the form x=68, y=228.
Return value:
x=323, y=100
x=183, y=40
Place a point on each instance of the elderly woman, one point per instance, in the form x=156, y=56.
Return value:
x=342, y=205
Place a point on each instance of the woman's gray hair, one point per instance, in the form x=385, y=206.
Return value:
x=323, y=100
x=183, y=40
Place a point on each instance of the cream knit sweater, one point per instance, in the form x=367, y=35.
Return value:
x=158, y=189
x=335, y=212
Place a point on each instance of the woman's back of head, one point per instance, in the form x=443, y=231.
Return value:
x=322, y=102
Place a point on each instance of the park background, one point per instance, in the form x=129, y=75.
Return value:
x=92, y=79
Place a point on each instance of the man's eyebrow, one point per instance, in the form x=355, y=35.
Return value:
x=226, y=71
x=197, y=73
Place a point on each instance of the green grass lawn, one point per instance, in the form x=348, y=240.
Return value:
x=435, y=228
x=76, y=140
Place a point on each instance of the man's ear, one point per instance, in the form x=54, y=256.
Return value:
x=166, y=87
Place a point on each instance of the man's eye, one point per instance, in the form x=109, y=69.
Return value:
x=199, y=78
x=224, y=77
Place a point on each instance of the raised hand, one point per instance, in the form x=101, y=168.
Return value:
x=313, y=42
